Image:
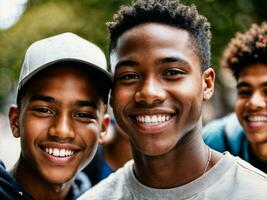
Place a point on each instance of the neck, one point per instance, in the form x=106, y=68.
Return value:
x=30, y=180
x=183, y=164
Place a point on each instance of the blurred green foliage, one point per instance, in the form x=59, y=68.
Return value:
x=87, y=18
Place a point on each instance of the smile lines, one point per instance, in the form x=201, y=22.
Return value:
x=153, y=119
x=59, y=152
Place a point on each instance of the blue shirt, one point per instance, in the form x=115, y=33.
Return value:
x=226, y=134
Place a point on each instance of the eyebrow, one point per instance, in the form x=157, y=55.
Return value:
x=173, y=59
x=85, y=103
x=244, y=84
x=44, y=98
x=160, y=61
x=125, y=63
x=48, y=99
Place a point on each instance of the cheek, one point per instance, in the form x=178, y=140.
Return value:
x=31, y=128
x=121, y=97
x=89, y=135
x=89, y=138
x=239, y=106
x=190, y=99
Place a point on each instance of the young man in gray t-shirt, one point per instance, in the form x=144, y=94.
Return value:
x=160, y=58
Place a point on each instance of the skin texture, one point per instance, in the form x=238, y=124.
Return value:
x=159, y=74
x=251, y=107
x=60, y=109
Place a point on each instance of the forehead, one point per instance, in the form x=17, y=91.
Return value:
x=61, y=82
x=254, y=74
x=67, y=73
x=157, y=39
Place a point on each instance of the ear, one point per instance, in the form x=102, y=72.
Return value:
x=104, y=129
x=208, y=83
x=14, y=120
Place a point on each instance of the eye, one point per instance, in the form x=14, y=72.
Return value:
x=85, y=116
x=42, y=111
x=243, y=92
x=265, y=92
x=173, y=73
x=128, y=77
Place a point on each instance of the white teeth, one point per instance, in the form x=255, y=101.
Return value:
x=257, y=119
x=59, y=152
x=153, y=119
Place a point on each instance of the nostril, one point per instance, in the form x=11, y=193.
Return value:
x=149, y=98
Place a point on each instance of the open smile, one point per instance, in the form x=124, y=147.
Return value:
x=152, y=123
x=153, y=119
x=59, y=152
x=257, y=118
x=256, y=122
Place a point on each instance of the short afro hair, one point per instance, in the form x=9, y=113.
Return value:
x=246, y=49
x=170, y=12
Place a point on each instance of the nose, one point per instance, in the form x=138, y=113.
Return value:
x=150, y=92
x=62, y=128
x=257, y=101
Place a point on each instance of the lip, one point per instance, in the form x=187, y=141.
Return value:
x=59, y=160
x=152, y=111
x=256, y=122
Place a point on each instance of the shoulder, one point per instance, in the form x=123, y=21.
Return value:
x=218, y=126
x=251, y=171
x=113, y=187
x=80, y=185
x=245, y=175
x=234, y=178
x=250, y=180
x=9, y=189
x=221, y=134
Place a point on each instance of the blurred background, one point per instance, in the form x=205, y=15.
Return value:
x=24, y=21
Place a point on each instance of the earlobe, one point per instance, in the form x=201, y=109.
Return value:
x=14, y=120
x=104, y=129
x=208, y=80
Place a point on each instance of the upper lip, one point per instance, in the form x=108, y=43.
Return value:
x=255, y=115
x=153, y=111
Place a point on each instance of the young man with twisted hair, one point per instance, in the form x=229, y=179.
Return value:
x=246, y=56
x=160, y=58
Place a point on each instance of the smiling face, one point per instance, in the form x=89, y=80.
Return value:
x=159, y=87
x=59, y=122
x=251, y=104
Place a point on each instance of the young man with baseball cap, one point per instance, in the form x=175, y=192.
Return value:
x=60, y=117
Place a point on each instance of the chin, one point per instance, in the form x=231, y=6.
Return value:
x=155, y=149
x=258, y=137
x=59, y=178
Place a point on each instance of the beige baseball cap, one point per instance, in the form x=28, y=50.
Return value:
x=62, y=47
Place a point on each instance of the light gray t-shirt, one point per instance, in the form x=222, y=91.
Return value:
x=230, y=179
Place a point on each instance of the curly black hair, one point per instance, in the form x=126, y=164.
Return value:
x=170, y=12
x=246, y=49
